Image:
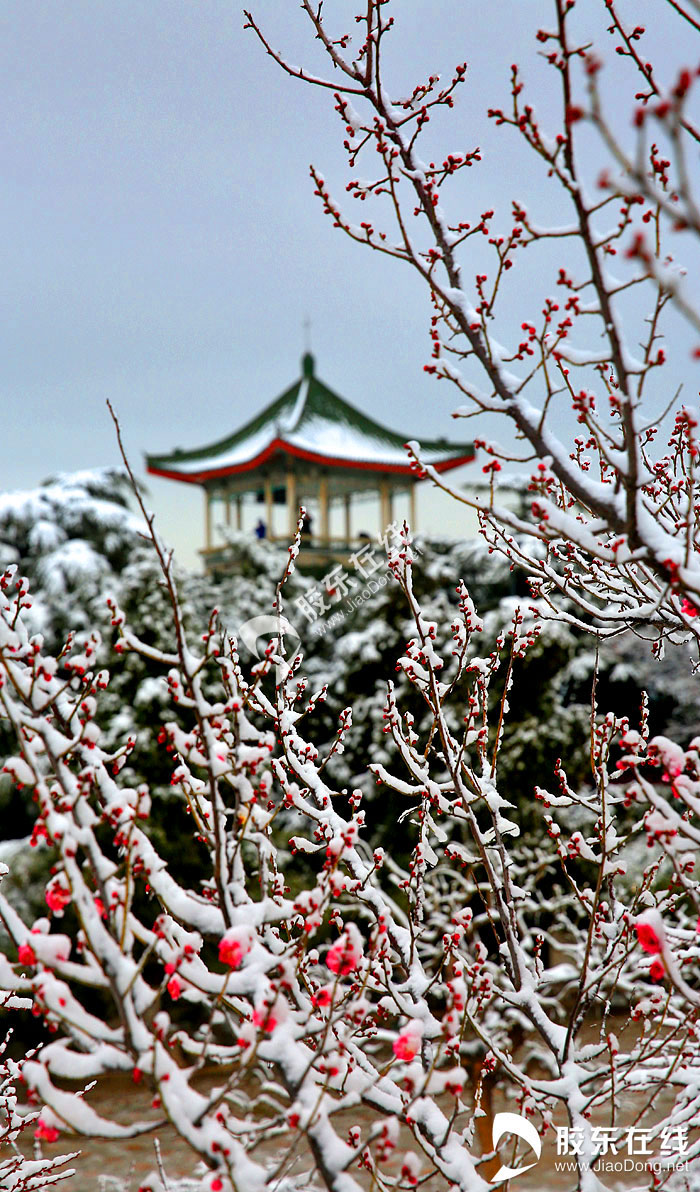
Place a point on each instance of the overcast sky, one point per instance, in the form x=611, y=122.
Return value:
x=162, y=244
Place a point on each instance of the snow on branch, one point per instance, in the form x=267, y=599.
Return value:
x=348, y=984
x=613, y=506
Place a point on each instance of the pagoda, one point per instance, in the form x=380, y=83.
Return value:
x=311, y=448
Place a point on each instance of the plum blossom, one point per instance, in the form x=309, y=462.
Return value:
x=235, y=945
x=410, y=1168
x=57, y=897
x=25, y=954
x=670, y=754
x=269, y=1013
x=174, y=988
x=45, y=1132
x=648, y=938
x=408, y=1043
x=657, y=972
x=346, y=953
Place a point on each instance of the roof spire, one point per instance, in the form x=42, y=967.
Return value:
x=307, y=360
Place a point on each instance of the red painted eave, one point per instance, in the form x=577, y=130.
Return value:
x=289, y=449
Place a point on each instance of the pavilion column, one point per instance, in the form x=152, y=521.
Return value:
x=323, y=503
x=228, y=510
x=207, y=519
x=385, y=503
x=239, y=512
x=268, y=505
x=348, y=518
x=412, y=508
x=292, y=503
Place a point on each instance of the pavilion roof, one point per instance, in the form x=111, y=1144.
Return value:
x=311, y=423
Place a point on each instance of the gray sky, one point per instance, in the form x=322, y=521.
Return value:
x=162, y=243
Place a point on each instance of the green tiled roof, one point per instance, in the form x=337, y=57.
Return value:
x=312, y=422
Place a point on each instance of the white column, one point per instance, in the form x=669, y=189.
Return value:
x=268, y=505
x=292, y=503
x=412, y=509
x=207, y=519
x=348, y=517
x=384, y=504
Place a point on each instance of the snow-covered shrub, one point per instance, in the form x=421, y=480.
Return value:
x=369, y=1014
x=71, y=537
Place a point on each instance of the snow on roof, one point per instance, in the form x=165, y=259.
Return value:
x=311, y=422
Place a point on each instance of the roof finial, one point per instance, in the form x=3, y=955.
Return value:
x=307, y=360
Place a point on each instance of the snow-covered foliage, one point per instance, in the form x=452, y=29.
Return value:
x=401, y=996
x=72, y=537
